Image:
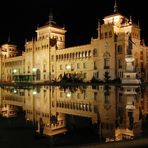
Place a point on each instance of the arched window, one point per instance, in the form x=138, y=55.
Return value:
x=119, y=49
x=89, y=53
x=106, y=60
x=95, y=52
x=110, y=34
x=38, y=74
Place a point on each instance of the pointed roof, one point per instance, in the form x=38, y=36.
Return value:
x=115, y=7
x=51, y=18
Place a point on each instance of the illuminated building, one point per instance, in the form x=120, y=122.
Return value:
x=46, y=58
x=130, y=120
x=49, y=107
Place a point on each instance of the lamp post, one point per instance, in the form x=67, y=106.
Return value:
x=34, y=72
x=68, y=68
x=14, y=72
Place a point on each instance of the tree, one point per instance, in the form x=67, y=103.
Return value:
x=106, y=77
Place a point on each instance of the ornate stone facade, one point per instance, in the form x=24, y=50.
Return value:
x=46, y=58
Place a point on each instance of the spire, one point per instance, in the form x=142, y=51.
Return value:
x=130, y=21
x=99, y=28
x=115, y=7
x=50, y=17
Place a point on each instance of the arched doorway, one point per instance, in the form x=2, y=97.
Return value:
x=38, y=74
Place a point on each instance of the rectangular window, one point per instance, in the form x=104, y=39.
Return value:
x=78, y=65
x=61, y=68
x=84, y=75
x=105, y=34
x=95, y=96
x=119, y=49
x=52, y=68
x=96, y=75
x=106, y=64
x=44, y=77
x=95, y=66
x=28, y=69
x=106, y=99
x=119, y=63
x=110, y=34
x=44, y=68
x=84, y=65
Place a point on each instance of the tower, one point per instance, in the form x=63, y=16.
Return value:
x=130, y=86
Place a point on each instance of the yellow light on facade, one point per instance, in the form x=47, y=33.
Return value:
x=34, y=92
x=15, y=91
x=34, y=69
x=68, y=94
x=68, y=67
x=14, y=70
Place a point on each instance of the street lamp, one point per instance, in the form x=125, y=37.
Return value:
x=34, y=92
x=68, y=67
x=68, y=94
x=34, y=71
x=14, y=72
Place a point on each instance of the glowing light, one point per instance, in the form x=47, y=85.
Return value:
x=34, y=92
x=34, y=69
x=68, y=94
x=15, y=91
x=68, y=67
x=14, y=70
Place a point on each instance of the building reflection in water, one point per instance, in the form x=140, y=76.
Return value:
x=47, y=107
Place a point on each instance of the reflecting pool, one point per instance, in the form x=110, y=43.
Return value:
x=43, y=116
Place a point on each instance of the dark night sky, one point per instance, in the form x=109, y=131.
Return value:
x=20, y=18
